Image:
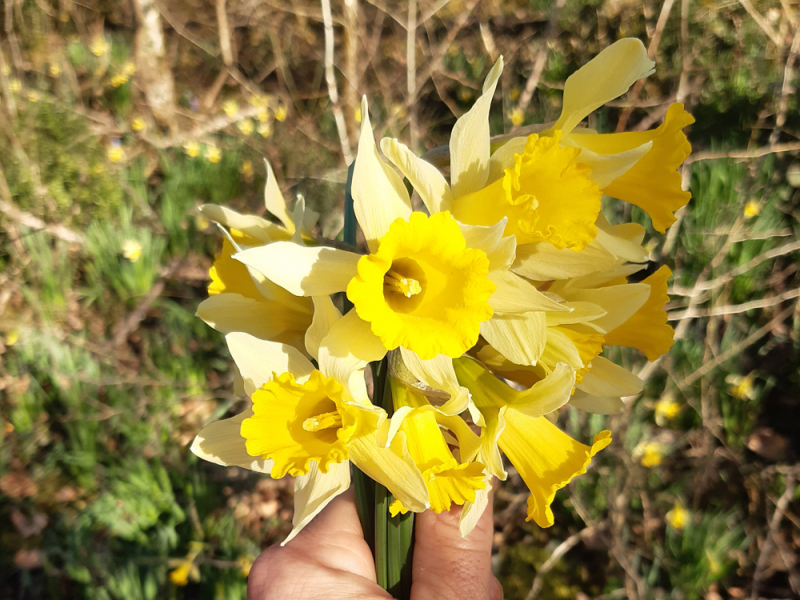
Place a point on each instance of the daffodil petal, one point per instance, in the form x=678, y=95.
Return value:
x=503, y=157
x=582, y=312
x=472, y=511
x=274, y=201
x=438, y=373
x=498, y=249
x=546, y=458
x=547, y=395
x=379, y=195
x=647, y=329
x=325, y=315
x=469, y=141
x=265, y=320
x=606, y=77
x=426, y=179
x=520, y=338
x=544, y=262
x=623, y=241
x=347, y=349
x=619, y=301
x=303, y=271
x=608, y=167
x=515, y=295
x=257, y=360
x=604, y=378
x=313, y=492
x=250, y=225
x=597, y=405
x=391, y=467
x=221, y=443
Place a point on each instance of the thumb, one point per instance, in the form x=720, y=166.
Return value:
x=449, y=566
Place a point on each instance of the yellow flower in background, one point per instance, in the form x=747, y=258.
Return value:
x=12, y=337
x=129, y=68
x=245, y=564
x=752, y=209
x=138, y=124
x=213, y=153
x=132, y=250
x=258, y=100
x=180, y=575
x=245, y=126
x=281, y=112
x=515, y=93
x=517, y=116
x=247, y=169
x=264, y=129
x=678, y=517
x=400, y=110
x=33, y=96
x=115, y=153
x=742, y=387
x=230, y=107
x=119, y=79
x=5, y=69
x=99, y=46
x=464, y=94
x=54, y=70
x=666, y=409
x=15, y=85
x=357, y=114
x=263, y=115
x=650, y=454
x=192, y=149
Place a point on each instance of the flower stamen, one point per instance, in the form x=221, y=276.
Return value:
x=395, y=282
x=327, y=420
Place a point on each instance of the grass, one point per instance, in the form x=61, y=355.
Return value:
x=99, y=495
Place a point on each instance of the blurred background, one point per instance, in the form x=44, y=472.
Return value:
x=118, y=119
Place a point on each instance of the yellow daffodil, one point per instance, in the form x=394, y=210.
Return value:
x=138, y=124
x=245, y=126
x=281, y=112
x=33, y=96
x=213, y=154
x=54, y=70
x=666, y=409
x=15, y=85
x=678, y=517
x=129, y=68
x=180, y=574
x=741, y=387
x=357, y=114
x=517, y=117
x=119, y=79
x=99, y=46
x=263, y=114
x=192, y=149
x=264, y=129
x=245, y=564
x=12, y=337
x=115, y=153
x=186, y=568
x=650, y=454
x=311, y=423
x=546, y=458
x=230, y=107
x=430, y=284
x=132, y=250
x=240, y=298
x=752, y=209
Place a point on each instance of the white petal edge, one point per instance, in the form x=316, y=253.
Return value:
x=313, y=492
x=274, y=200
x=426, y=179
x=221, y=443
x=258, y=359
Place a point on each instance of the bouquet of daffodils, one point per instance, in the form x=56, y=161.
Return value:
x=481, y=317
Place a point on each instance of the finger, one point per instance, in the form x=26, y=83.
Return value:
x=328, y=554
x=449, y=566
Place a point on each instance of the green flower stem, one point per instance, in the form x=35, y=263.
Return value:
x=390, y=538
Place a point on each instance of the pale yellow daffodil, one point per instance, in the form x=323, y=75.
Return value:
x=241, y=299
x=546, y=458
x=311, y=423
x=430, y=284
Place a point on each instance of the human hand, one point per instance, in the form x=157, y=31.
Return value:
x=329, y=559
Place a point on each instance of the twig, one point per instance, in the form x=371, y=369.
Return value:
x=411, y=72
x=774, y=525
x=557, y=554
x=10, y=104
x=734, y=350
x=762, y=23
x=224, y=33
x=16, y=55
x=733, y=309
x=786, y=89
x=541, y=58
x=330, y=78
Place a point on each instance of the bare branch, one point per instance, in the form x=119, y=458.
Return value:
x=330, y=78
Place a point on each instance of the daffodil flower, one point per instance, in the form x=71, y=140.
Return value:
x=527, y=178
x=546, y=458
x=240, y=298
x=429, y=285
x=311, y=423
